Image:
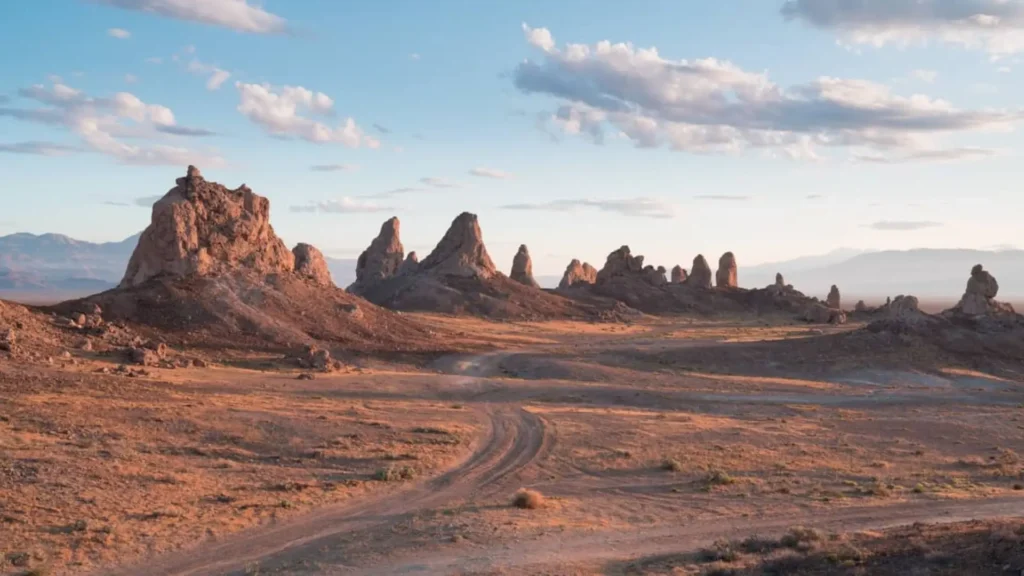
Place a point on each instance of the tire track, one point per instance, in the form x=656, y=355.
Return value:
x=514, y=439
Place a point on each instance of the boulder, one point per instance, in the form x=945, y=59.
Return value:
x=904, y=308
x=410, y=264
x=727, y=276
x=202, y=228
x=700, y=273
x=833, y=300
x=461, y=252
x=522, y=268
x=316, y=359
x=311, y=265
x=817, y=313
x=381, y=260
x=678, y=274
x=982, y=283
x=620, y=263
x=578, y=273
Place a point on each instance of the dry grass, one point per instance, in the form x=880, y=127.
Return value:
x=528, y=499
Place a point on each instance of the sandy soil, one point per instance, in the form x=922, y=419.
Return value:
x=649, y=441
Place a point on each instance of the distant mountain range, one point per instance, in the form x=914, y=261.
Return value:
x=55, y=264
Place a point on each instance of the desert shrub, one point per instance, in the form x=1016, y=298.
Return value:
x=528, y=499
x=394, y=474
x=801, y=538
x=671, y=465
x=720, y=551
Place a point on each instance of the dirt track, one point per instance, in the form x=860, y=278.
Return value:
x=515, y=440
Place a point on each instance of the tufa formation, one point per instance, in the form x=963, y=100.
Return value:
x=410, y=264
x=577, y=274
x=678, y=274
x=979, y=297
x=726, y=277
x=202, y=228
x=461, y=252
x=310, y=264
x=700, y=273
x=522, y=268
x=381, y=260
x=833, y=300
x=620, y=263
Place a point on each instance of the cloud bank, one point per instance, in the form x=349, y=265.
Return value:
x=638, y=207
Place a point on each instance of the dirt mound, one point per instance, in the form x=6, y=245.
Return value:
x=458, y=277
x=522, y=268
x=248, y=310
x=382, y=260
x=201, y=227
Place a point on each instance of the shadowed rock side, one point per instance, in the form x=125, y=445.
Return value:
x=577, y=274
x=203, y=228
x=459, y=277
x=210, y=271
x=310, y=264
x=410, y=264
x=381, y=260
x=678, y=275
x=700, y=273
x=522, y=268
x=727, y=275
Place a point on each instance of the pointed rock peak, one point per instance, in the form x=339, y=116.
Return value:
x=780, y=282
x=678, y=274
x=700, y=273
x=381, y=260
x=203, y=228
x=726, y=277
x=311, y=265
x=577, y=273
x=461, y=252
x=522, y=268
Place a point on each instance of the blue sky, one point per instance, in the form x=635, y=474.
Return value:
x=773, y=129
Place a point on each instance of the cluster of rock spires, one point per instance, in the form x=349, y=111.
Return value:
x=201, y=228
x=577, y=274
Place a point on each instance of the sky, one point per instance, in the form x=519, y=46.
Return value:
x=769, y=128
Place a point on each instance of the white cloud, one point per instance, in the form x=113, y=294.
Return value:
x=38, y=148
x=346, y=205
x=927, y=76
x=902, y=225
x=277, y=109
x=439, y=182
x=119, y=33
x=725, y=197
x=639, y=207
x=130, y=78
x=945, y=155
x=712, y=106
x=414, y=56
x=235, y=14
x=154, y=60
x=995, y=26
x=215, y=76
x=102, y=124
x=490, y=173
x=334, y=167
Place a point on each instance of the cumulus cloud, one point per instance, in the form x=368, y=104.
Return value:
x=947, y=155
x=238, y=15
x=638, y=207
x=713, y=106
x=439, y=182
x=725, y=197
x=996, y=26
x=334, y=167
x=927, y=76
x=490, y=173
x=902, y=225
x=279, y=111
x=346, y=205
x=39, y=148
x=103, y=124
x=119, y=33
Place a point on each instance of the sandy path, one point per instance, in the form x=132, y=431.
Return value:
x=514, y=438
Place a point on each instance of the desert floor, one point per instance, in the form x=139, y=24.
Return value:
x=663, y=446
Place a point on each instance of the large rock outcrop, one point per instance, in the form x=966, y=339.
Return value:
x=381, y=260
x=461, y=252
x=201, y=228
x=700, y=273
x=311, y=265
x=620, y=262
x=834, y=300
x=577, y=273
x=979, y=297
x=522, y=268
x=678, y=274
x=727, y=275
